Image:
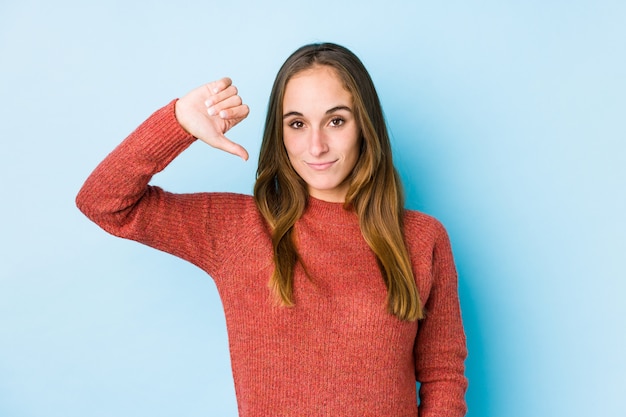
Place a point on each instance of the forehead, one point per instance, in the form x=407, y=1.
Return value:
x=317, y=86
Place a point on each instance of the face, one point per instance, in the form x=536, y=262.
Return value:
x=321, y=135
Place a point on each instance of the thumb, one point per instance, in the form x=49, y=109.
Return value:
x=231, y=147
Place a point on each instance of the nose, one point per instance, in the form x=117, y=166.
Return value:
x=317, y=143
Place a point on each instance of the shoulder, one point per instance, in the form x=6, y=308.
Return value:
x=417, y=221
x=423, y=228
x=233, y=210
x=232, y=200
x=230, y=204
x=429, y=247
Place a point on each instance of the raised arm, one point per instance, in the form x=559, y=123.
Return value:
x=117, y=197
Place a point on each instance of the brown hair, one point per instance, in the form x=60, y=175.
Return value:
x=375, y=191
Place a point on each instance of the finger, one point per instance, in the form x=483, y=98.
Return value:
x=225, y=94
x=232, y=101
x=235, y=113
x=215, y=87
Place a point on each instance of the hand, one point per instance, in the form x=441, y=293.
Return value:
x=209, y=111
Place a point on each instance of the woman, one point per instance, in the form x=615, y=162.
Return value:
x=337, y=300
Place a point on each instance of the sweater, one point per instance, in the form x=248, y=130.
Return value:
x=338, y=351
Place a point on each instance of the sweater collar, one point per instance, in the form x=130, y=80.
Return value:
x=328, y=213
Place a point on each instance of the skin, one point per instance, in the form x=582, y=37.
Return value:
x=320, y=133
x=211, y=110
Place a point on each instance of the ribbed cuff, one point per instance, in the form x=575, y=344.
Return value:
x=162, y=137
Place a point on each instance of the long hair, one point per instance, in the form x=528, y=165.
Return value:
x=375, y=191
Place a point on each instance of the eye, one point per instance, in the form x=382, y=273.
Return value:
x=296, y=124
x=337, y=121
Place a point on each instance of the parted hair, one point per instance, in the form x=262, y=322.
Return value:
x=375, y=191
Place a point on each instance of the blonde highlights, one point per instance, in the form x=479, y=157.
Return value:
x=375, y=191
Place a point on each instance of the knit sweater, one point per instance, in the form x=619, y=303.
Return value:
x=338, y=352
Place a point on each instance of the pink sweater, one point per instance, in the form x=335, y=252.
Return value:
x=338, y=352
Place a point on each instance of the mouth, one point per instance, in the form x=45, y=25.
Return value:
x=320, y=166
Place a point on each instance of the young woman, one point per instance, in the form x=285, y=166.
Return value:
x=337, y=299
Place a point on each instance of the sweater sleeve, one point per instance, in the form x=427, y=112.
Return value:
x=440, y=348
x=117, y=197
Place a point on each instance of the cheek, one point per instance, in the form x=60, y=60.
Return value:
x=290, y=146
x=353, y=153
x=293, y=153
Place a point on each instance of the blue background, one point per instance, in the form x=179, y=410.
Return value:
x=508, y=121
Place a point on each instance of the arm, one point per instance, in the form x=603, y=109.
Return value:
x=440, y=348
x=117, y=196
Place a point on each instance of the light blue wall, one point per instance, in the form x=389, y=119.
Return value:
x=508, y=124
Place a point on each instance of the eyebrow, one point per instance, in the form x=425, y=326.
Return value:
x=329, y=111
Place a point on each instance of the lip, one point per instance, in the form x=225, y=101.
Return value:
x=320, y=166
